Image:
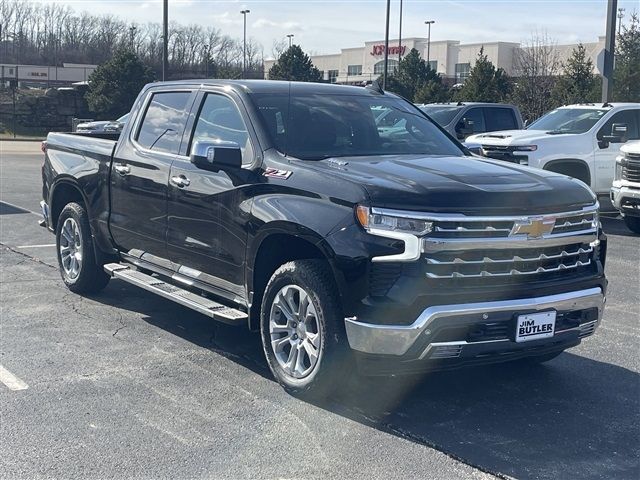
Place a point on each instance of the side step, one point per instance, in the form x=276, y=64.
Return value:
x=189, y=299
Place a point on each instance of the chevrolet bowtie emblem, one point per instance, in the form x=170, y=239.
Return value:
x=533, y=227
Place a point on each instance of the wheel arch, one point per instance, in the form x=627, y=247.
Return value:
x=276, y=246
x=573, y=167
x=63, y=192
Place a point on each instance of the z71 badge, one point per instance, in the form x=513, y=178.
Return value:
x=274, y=172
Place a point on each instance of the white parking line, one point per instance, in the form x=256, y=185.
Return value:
x=38, y=246
x=11, y=381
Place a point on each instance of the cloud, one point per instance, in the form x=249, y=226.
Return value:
x=266, y=23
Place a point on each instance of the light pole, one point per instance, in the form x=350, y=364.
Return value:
x=609, y=49
x=290, y=36
x=620, y=17
x=244, y=43
x=429, y=22
x=400, y=38
x=132, y=36
x=165, y=39
x=386, y=47
x=206, y=61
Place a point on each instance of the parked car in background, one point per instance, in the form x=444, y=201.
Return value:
x=468, y=118
x=117, y=125
x=103, y=126
x=581, y=141
x=625, y=192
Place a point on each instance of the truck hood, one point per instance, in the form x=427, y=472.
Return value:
x=512, y=137
x=460, y=184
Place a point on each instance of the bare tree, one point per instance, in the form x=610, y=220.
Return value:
x=536, y=66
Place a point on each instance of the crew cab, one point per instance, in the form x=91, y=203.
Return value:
x=625, y=191
x=283, y=207
x=581, y=141
x=462, y=119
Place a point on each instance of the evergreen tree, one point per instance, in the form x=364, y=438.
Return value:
x=415, y=81
x=626, y=82
x=578, y=83
x=115, y=84
x=294, y=65
x=485, y=83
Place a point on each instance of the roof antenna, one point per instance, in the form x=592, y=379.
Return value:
x=375, y=87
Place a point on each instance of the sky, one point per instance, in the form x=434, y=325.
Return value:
x=326, y=26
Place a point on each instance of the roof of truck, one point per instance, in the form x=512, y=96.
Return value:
x=276, y=86
x=602, y=105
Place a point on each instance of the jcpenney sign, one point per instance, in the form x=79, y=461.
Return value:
x=379, y=50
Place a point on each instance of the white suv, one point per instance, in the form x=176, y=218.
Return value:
x=581, y=141
x=625, y=192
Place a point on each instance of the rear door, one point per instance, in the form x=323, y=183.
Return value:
x=140, y=172
x=606, y=153
x=208, y=209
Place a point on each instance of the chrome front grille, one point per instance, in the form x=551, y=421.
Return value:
x=462, y=227
x=478, y=263
x=631, y=168
x=461, y=247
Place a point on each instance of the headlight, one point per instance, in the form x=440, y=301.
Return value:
x=525, y=148
x=391, y=221
x=618, y=172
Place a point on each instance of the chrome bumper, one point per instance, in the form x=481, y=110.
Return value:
x=620, y=191
x=398, y=339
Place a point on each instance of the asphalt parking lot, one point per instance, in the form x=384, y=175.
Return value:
x=127, y=385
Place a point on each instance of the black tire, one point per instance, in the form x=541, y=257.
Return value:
x=632, y=223
x=332, y=367
x=89, y=277
x=537, y=359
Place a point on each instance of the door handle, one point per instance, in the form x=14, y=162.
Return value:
x=122, y=169
x=180, y=181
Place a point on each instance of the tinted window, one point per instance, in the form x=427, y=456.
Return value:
x=442, y=115
x=320, y=126
x=474, y=115
x=629, y=117
x=499, y=119
x=164, y=122
x=220, y=119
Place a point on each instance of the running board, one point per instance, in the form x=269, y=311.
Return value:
x=186, y=298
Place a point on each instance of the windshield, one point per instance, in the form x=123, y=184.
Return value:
x=313, y=126
x=568, y=120
x=123, y=118
x=442, y=115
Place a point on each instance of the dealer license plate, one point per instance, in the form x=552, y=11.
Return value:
x=535, y=326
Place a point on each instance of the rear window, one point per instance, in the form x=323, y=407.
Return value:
x=499, y=119
x=164, y=121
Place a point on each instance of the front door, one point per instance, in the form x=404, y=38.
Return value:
x=140, y=173
x=606, y=153
x=208, y=209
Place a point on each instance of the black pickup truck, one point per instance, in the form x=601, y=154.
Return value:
x=285, y=207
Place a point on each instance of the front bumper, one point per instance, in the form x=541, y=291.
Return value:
x=626, y=199
x=451, y=331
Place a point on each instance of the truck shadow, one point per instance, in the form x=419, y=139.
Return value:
x=571, y=418
x=614, y=225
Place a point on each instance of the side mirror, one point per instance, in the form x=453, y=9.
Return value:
x=211, y=155
x=464, y=128
x=618, y=133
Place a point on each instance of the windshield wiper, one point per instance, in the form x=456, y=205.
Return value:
x=558, y=132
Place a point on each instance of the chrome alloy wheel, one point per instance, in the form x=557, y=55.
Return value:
x=71, y=248
x=295, y=331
